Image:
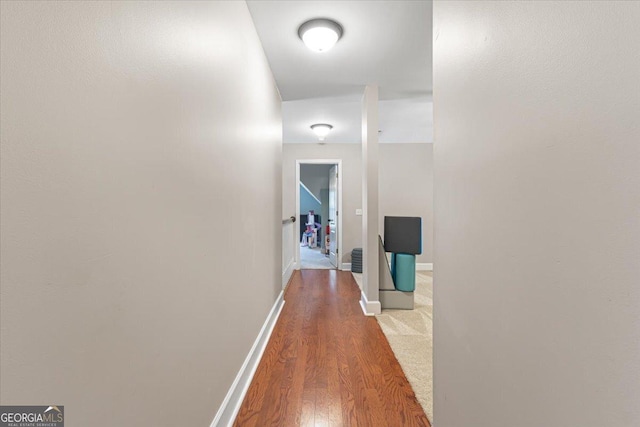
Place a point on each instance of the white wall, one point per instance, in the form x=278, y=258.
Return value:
x=406, y=188
x=130, y=263
x=351, y=186
x=289, y=239
x=537, y=197
x=370, y=208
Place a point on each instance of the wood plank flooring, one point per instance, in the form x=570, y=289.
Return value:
x=327, y=364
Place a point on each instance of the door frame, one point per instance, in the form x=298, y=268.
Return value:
x=339, y=207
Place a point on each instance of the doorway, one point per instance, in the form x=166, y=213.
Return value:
x=318, y=201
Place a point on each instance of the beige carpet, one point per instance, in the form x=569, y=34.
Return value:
x=313, y=258
x=410, y=334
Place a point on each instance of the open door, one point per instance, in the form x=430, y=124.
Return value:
x=331, y=201
x=333, y=216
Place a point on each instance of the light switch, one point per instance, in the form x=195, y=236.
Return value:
x=359, y=212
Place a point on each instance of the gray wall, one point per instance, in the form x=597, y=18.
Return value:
x=351, y=185
x=315, y=177
x=128, y=251
x=537, y=196
x=406, y=188
x=308, y=202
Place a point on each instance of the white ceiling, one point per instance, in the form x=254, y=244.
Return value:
x=387, y=43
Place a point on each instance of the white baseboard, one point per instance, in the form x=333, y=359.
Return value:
x=286, y=274
x=228, y=411
x=420, y=266
x=369, y=308
x=424, y=266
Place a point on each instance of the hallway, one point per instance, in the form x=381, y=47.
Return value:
x=327, y=364
x=150, y=212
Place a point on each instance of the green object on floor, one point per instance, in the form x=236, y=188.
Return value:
x=403, y=271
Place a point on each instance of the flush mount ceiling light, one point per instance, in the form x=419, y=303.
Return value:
x=321, y=129
x=320, y=34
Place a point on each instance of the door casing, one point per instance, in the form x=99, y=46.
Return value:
x=296, y=242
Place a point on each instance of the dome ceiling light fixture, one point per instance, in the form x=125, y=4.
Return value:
x=320, y=34
x=321, y=130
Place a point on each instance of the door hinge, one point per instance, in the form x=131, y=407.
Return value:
x=336, y=213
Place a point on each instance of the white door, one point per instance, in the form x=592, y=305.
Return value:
x=333, y=215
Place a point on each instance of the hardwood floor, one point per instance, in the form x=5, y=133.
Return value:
x=327, y=364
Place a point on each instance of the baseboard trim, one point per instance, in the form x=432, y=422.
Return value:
x=346, y=266
x=286, y=274
x=369, y=308
x=228, y=411
x=424, y=266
